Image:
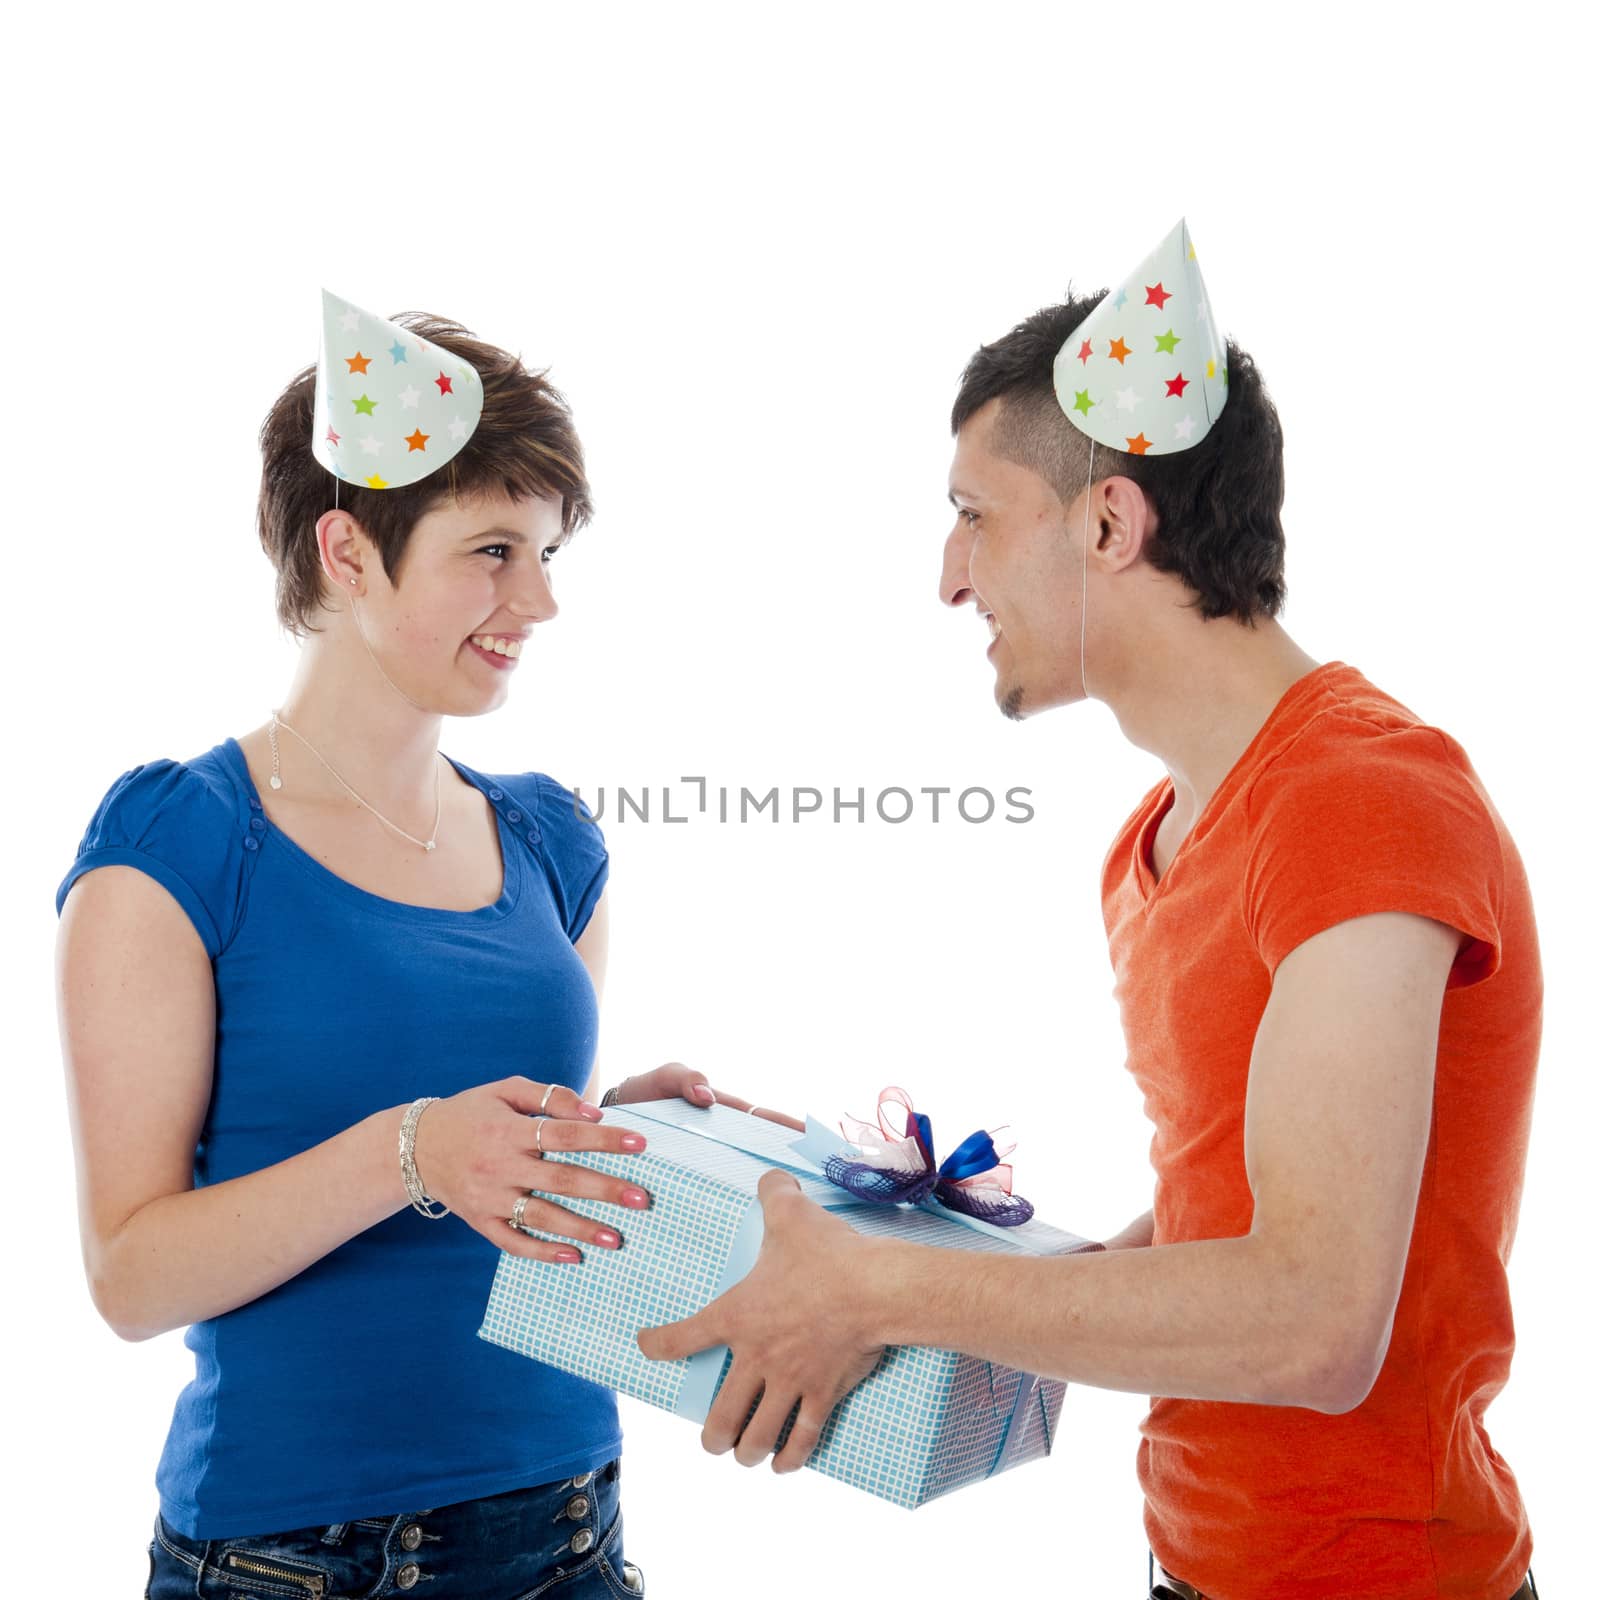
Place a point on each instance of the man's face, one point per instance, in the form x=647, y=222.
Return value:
x=1014, y=553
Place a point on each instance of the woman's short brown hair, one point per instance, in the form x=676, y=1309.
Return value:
x=524, y=445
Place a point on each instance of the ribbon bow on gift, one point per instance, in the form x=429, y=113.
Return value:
x=898, y=1166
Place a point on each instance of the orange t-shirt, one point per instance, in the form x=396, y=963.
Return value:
x=1343, y=804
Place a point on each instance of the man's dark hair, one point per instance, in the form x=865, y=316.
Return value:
x=524, y=445
x=1217, y=504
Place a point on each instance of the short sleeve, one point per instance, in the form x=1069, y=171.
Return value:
x=575, y=854
x=169, y=822
x=1371, y=819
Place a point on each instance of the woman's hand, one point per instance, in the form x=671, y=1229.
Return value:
x=674, y=1081
x=479, y=1153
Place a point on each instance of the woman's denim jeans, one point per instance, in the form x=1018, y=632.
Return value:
x=557, y=1540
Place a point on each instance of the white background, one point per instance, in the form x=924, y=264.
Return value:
x=755, y=252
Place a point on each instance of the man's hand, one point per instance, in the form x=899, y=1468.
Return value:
x=674, y=1081
x=796, y=1328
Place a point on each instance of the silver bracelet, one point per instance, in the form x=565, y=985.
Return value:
x=420, y=1199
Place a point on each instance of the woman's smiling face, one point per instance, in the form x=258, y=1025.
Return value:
x=473, y=583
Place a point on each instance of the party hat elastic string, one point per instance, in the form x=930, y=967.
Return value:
x=1083, y=593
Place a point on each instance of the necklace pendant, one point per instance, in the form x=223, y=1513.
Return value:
x=276, y=781
x=427, y=844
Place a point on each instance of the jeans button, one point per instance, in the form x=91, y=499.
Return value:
x=411, y=1538
x=407, y=1576
x=581, y=1540
x=582, y=1480
x=578, y=1506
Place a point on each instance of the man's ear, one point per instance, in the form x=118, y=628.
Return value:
x=1121, y=520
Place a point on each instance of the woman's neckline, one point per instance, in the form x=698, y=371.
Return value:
x=510, y=857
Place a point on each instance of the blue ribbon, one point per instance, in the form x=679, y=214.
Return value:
x=976, y=1153
x=1029, y=1389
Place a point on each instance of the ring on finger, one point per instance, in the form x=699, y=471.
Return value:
x=538, y=1135
x=517, y=1211
x=549, y=1089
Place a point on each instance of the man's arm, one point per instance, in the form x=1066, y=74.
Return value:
x=1296, y=1312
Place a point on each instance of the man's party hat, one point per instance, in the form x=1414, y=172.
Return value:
x=1146, y=371
x=390, y=407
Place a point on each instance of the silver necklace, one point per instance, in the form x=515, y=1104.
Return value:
x=277, y=783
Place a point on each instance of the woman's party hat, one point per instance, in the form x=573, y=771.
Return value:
x=390, y=407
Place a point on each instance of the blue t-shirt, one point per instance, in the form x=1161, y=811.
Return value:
x=360, y=1387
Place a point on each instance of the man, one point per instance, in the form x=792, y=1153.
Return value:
x=1328, y=971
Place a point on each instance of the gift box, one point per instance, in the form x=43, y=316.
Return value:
x=925, y=1422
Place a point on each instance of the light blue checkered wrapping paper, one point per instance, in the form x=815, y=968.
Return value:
x=926, y=1422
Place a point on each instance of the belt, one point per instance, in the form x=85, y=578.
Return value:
x=1167, y=1585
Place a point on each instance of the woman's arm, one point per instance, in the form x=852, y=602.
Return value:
x=593, y=945
x=137, y=1011
x=1138, y=1235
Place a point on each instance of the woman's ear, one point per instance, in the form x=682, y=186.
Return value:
x=343, y=545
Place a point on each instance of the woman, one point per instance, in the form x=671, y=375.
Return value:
x=329, y=997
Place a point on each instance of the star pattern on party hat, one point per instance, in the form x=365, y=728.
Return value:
x=381, y=418
x=1146, y=371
